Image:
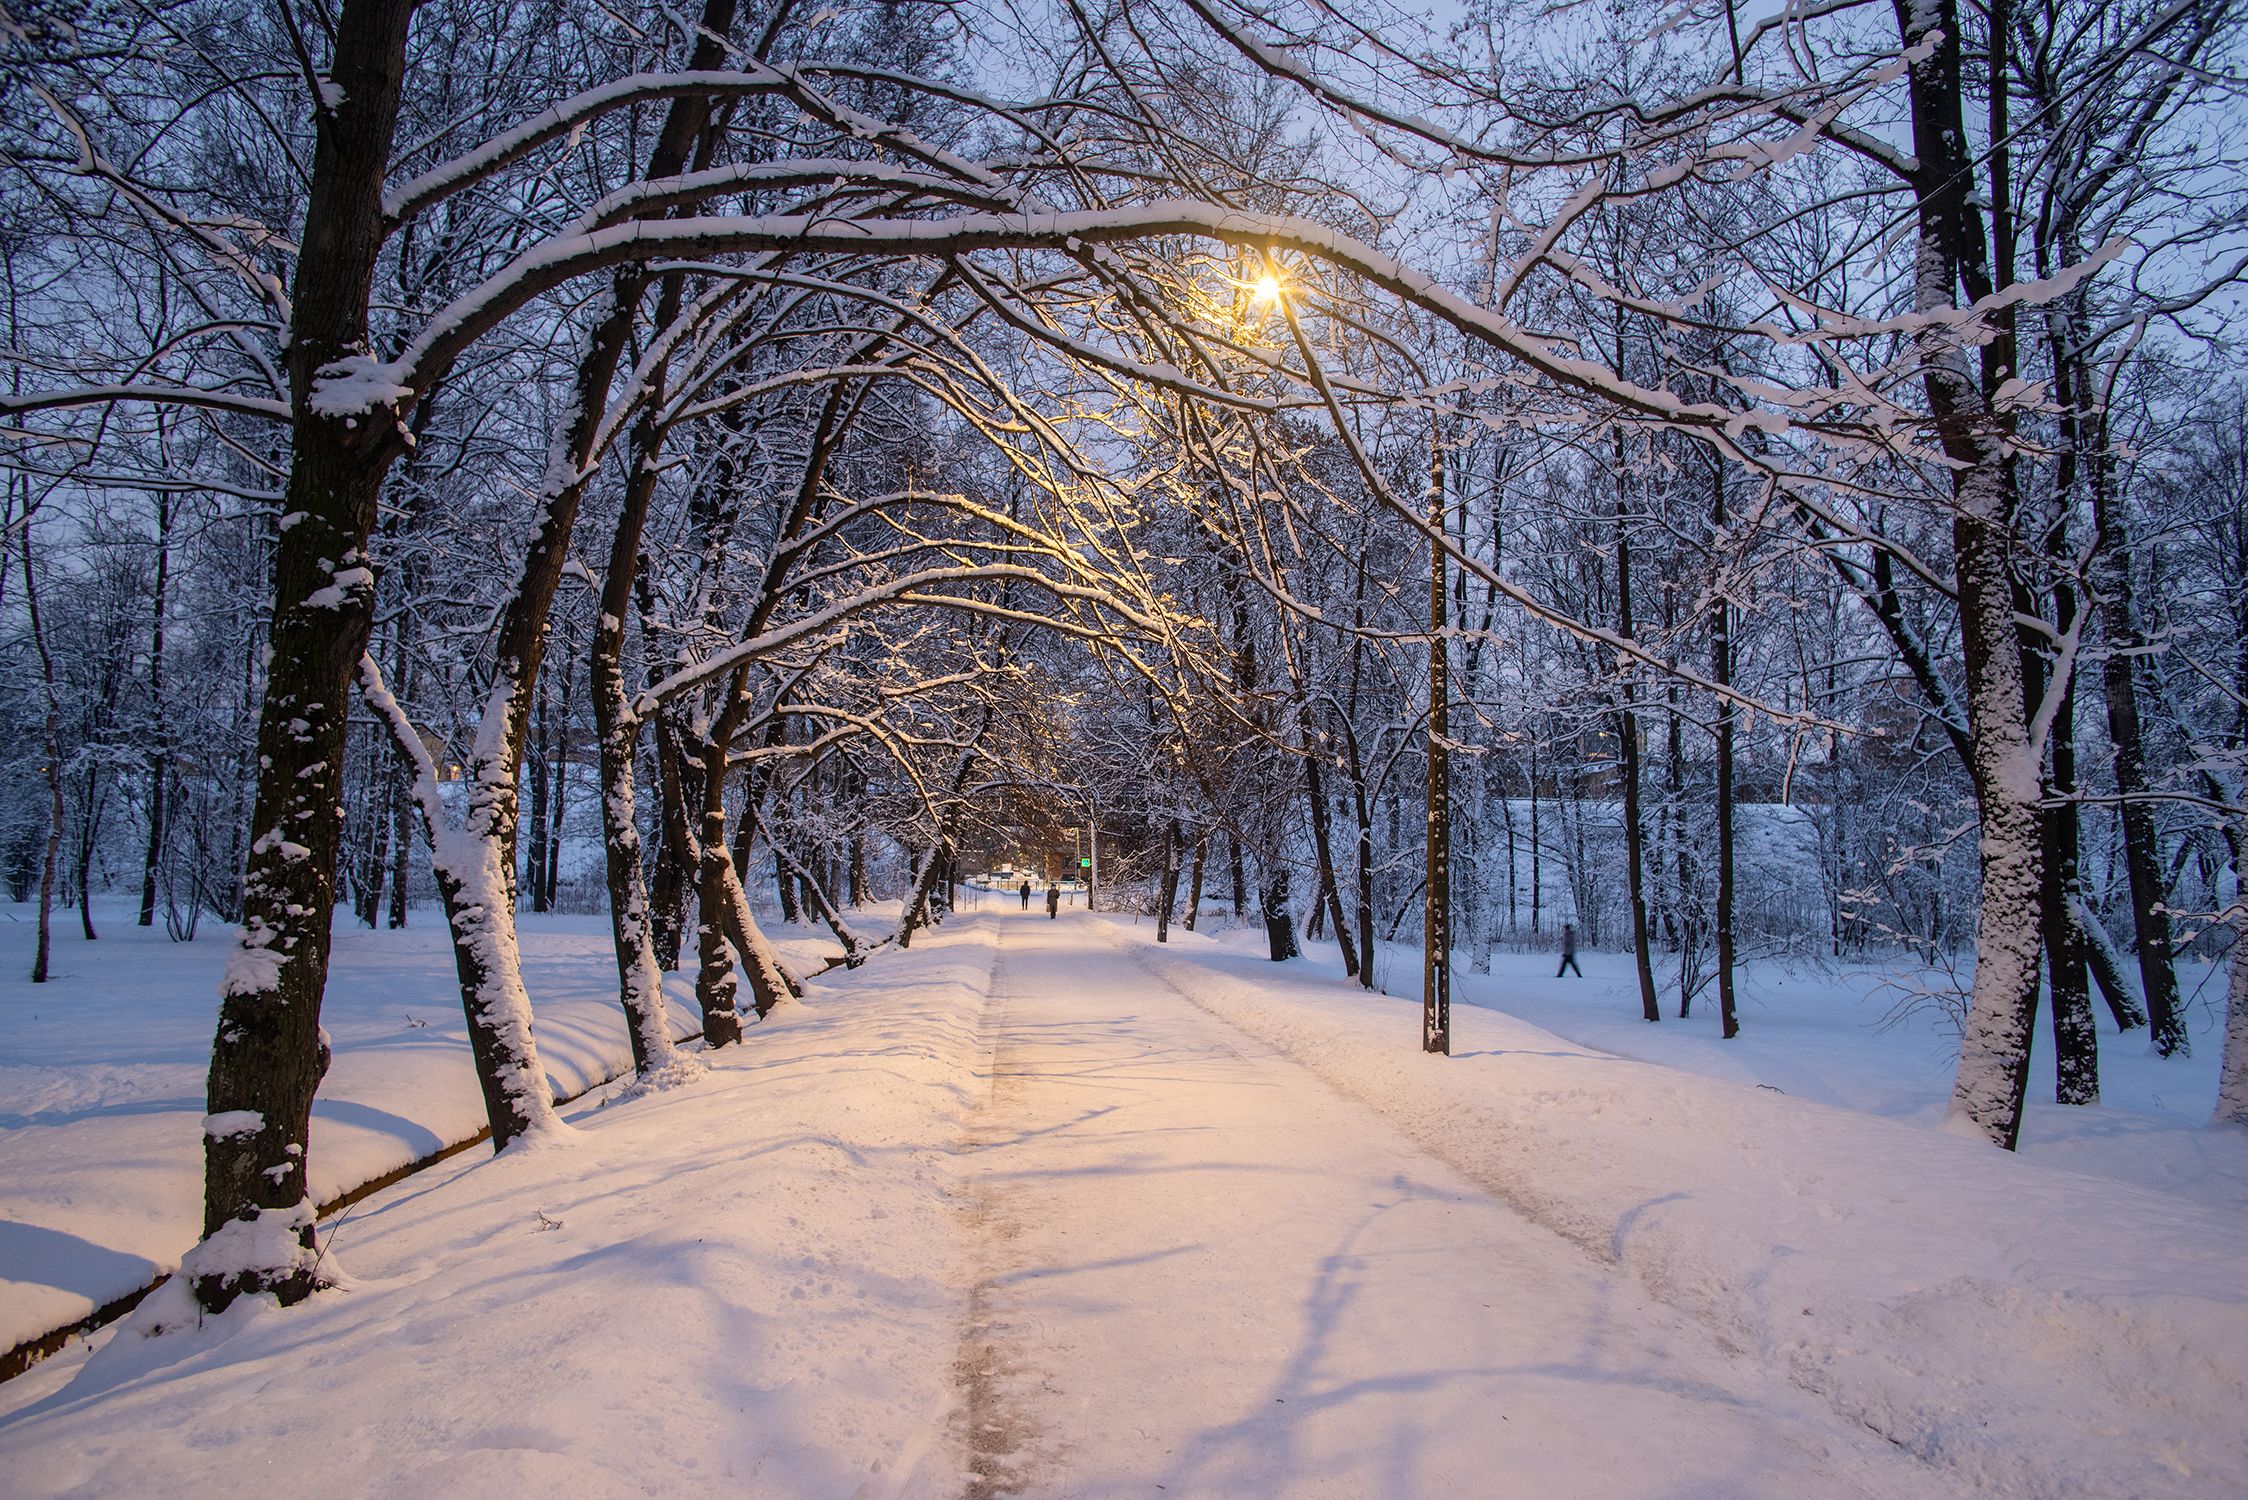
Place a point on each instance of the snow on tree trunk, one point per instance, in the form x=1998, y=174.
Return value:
x=655, y=1060
x=917, y=899
x=770, y=980
x=813, y=894
x=2232, y=1079
x=2232, y=1074
x=717, y=989
x=1994, y=1044
x=1994, y=1047
x=639, y=979
x=1436, y=936
x=2106, y=966
x=473, y=865
x=267, y=1057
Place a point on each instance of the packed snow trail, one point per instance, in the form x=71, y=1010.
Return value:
x=1207, y=1273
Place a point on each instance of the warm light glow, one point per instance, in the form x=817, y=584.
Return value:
x=1267, y=288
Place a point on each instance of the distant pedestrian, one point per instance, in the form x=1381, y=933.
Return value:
x=1568, y=952
x=1026, y=895
x=1053, y=900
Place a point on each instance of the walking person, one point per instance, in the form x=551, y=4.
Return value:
x=1568, y=951
x=1053, y=900
x=1026, y=895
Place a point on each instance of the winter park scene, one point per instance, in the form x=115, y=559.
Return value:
x=939, y=749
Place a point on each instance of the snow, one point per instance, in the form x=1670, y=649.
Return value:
x=233, y=1122
x=744, y=1287
x=270, y=1242
x=1834, y=1034
x=102, y=1072
x=1039, y=1207
x=2035, y=1329
x=1262, y=1290
x=355, y=385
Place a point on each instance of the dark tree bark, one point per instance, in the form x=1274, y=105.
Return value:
x=1329, y=897
x=2076, y=1043
x=1627, y=740
x=1436, y=933
x=51, y=744
x=668, y=884
x=541, y=761
x=1721, y=672
x=1240, y=885
x=1280, y=921
x=89, y=826
x=2119, y=623
x=1168, y=894
x=160, y=764
x=1194, y=886
x=401, y=794
x=267, y=1058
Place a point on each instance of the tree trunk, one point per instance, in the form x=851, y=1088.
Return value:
x=1436, y=929
x=1721, y=672
x=1194, y=886
x=160, y=765
x=2076, y=1040
x=1168, y=895
x=51, y=743
x=2232, y=1073
x=267, y=1058
x=540, y=766
x=917, y=898
x=617, y=748
x=1240, y=886
x=1627, y=740
x=1994, y=1046
x=2150, y=919
x=89, y=823
x=558, y=792
x=1329, y=898
x=816, y=900
x=1537, y=846
x=716, y=988
x=668, y=886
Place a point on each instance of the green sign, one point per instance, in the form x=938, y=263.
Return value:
x=1084, y=864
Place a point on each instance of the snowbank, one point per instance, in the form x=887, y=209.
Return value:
x=102, y=1073
x=2037, y=1330
x=745, y=1286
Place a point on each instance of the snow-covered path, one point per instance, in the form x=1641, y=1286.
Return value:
x=1207, y=1273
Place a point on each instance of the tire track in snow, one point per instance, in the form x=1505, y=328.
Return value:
x=998, y=1438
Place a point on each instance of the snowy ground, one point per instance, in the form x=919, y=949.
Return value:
x=1041, y=1208
x=742, y=1287
x=1206, y=1274
x=102, y=1072
x=1826, y=1033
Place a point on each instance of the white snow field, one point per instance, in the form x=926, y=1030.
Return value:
x=102, y=1072
x=1041, y=1208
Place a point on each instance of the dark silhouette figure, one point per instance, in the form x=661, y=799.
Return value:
x=1053, y=900
x=1568, y=952
x=1026, y=895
